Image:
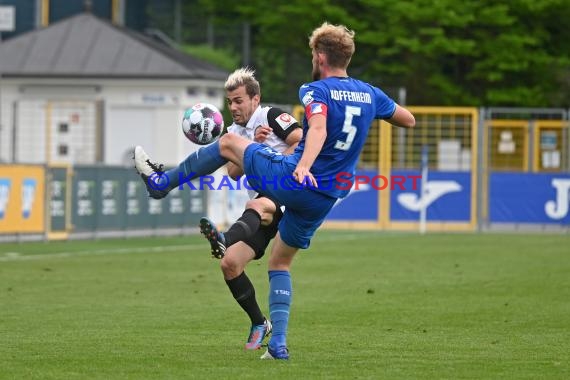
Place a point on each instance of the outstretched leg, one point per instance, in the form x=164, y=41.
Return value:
x=232, y=148
x=159, y=183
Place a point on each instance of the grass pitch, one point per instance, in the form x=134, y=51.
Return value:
x=365, y=305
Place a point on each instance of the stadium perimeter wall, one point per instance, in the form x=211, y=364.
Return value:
x=65, y=202
x=487, y=169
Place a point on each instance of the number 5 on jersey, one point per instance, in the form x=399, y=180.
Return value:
x=348, y=128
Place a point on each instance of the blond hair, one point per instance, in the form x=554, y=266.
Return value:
x=335, y=41
x=243, y=77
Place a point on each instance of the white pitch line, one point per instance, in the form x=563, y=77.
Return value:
x=15, y=256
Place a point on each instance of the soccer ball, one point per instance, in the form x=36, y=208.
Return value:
x=202, y=123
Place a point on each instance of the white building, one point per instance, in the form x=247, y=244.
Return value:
x=85, y=91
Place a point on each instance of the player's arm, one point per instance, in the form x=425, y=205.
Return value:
x=402, y=118
x=316, y=114
x=286, y=127
x=293, y=140
x=387, y=109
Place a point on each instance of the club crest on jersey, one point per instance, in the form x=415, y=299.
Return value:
x=316, y=108
x=285, y=120
x=308, y=98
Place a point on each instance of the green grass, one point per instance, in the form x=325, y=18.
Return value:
x=365, y=305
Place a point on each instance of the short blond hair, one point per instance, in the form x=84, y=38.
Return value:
x=335, y=41
x=244, y=76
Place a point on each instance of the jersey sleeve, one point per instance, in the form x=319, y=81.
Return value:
x=314, y=99
x=385, y=106
x=281, y=122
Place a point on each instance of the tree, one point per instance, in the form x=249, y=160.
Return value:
x=444, y=52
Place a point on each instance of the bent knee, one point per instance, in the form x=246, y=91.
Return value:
x=226, y=141
x=264, y=207
x=230, y=267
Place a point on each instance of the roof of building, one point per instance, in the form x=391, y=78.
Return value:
x=85, y=46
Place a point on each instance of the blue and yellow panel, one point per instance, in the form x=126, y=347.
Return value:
x=540, y=198
x=447, y=199
x=450, y=196
x=358, y=210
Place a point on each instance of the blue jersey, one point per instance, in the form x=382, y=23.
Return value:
x=350, y=106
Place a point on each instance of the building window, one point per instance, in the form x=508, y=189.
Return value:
x=63, y=128
x=62, y=150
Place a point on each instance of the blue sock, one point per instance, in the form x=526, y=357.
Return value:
x=205, y=161
x=280, y=292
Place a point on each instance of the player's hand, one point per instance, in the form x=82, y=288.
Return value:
x=262, y=133
x=304, y=176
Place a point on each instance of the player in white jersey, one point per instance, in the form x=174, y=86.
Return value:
x=249, y=236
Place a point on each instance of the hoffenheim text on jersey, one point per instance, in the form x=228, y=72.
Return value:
x=352, y=96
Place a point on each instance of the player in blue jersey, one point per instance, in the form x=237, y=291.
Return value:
x=338, y=113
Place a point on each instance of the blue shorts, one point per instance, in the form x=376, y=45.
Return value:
x=271, y=173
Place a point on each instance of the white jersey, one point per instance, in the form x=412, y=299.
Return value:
x=280, y=122
x=258, y=119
